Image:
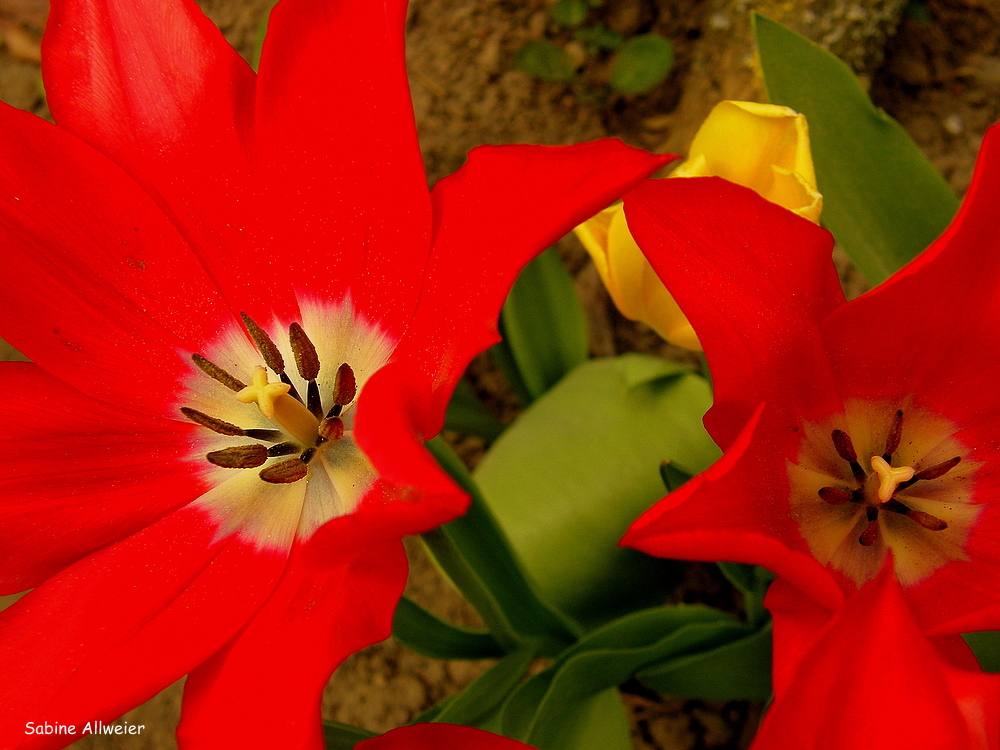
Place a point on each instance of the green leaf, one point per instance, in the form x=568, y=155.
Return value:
x=882, y=199
x=544, y=324
x=986, y=647
x=569, y=477
x=641, y=63
x=473, y=552
x=738, y=670
x=339, y=736
x=537, y=711
x=258, y=42
x=672, y=475
x=545, y=60
x=597, y=723
x=752, y=581
x=426, y=634
x=481, y=698
x=569, y=12
x=467, y=415
x=599, y=36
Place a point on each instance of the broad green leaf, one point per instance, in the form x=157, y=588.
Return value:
x=568, y=478
x=545, y=60
x=477, y=701
x=569, y=12
x=641, y=63
x=469, y=416
x=473, y=552
x=339, y=736
x=986, y=647
x=598, y=723
x=536, y=712
x=426, y=634
x=544, y=324
x=882, y=199
x=738, y=670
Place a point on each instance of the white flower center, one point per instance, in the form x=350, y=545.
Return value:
x=278, y=410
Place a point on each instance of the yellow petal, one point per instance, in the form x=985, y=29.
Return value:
x=760, y=146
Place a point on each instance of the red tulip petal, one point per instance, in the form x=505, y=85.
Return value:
x=933, y=329
x=440, y=737
x=156, y=87
x=755, y=280
x=413, y=494
x=79, y=474
x=120, y=625
x=112, y=291
x=338, y=155
x=491, y=217
x=737, y=510
x=873, y=680
x=264, y=689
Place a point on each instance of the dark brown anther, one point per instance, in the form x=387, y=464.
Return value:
x=285, y=472
x=895, y=435
x=306, y=358
x=268, y=436
x=836, y=495
x=272, y=357
x=215, y=425
x=870, y=535
x=845, y=447
x=345, y=387
x=331, y=428
x=283, y=449
x=217, y=373
x=932, y=523
x=929, y=522
x=239, y=456
x=938, y=470
x=307, y=455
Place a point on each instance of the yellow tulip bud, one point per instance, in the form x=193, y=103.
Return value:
x=761, y=146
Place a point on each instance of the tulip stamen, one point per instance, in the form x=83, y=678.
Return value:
x=272, y=357
x=895, y=436
x=217, y=373
x=845, y=449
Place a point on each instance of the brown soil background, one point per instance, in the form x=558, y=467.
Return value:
x=941, y=80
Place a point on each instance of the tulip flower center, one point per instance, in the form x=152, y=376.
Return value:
x=278, y=449
x=881, y=478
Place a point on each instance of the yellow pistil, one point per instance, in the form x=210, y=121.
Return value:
x=263, y=393
x=890, y=477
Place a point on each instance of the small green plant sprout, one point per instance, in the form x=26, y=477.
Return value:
x=633, y=65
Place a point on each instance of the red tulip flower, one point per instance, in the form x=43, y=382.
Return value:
x=865, y=676
x=854, y=431
x=440, y=737
x=246, y=312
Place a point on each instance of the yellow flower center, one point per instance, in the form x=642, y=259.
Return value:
x=915, y=501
